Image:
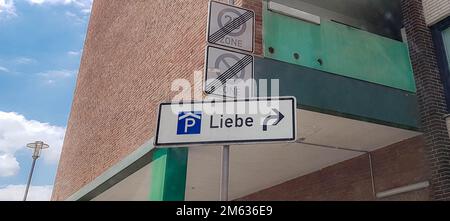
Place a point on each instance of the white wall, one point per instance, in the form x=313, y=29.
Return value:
x=136, y=187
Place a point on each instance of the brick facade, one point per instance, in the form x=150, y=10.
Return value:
x=256, y=6
x=393, y=166
x=430, y=95
x=130, y=61
x=127, y=68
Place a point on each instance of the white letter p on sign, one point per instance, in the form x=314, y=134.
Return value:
x=189, y=123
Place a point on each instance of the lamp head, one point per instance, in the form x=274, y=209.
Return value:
x=37, y=146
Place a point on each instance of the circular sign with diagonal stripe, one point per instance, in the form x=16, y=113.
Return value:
x=228, y=73
x=231, y=26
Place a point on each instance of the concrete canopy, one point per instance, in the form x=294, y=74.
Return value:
x=257, y=167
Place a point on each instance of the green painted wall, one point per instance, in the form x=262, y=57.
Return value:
x=344, y=50
x=168, y=180
x=341, y=96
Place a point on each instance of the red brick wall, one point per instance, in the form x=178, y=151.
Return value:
x=394, y=166
x=256, y=6
x=133, y=51
x=430, y=95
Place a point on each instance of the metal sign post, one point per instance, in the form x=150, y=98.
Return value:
x=224, y=179
x=225, y=173
x=228, y=73
x=226, y=122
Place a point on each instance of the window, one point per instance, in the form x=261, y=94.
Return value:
x=441, y=37
x=446, y=41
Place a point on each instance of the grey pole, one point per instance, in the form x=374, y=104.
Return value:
x=29, y=179
x=225, y=173
x=225, y=163
x=37, y=146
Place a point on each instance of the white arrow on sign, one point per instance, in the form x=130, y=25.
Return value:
x=277, y=117
x=231, y=26
x=255, y=120
x=229, y=73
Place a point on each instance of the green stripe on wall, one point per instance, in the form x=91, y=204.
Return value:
x=342, y=96
x=169, y=167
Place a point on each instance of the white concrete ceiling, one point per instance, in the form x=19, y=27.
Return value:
x=135, y=187
x=256, y=167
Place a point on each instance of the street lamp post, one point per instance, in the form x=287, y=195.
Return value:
x=37, y=146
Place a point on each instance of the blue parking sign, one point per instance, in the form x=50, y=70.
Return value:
x=189, y=123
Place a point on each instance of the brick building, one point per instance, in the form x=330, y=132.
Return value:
x=371, y=81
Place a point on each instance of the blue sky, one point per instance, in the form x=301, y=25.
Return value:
x=41, y=44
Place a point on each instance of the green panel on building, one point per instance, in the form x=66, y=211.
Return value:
x=341, y=96
x=169, y=167
x=338, y=49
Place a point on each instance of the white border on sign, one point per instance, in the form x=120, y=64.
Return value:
x=253, y=31
x=231, y=142
x=205, y=78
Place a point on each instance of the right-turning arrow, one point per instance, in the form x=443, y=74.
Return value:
x=278, y=117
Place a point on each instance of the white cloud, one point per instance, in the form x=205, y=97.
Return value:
x=86, y=10
x=24, y=60
x=8, y=165
x=57, y=74
x=51, y=77
x=74, y=53
x=16, y=131
x=77, y=19
x=16, y=192
x=84, y=5
x=7, y=9
x=3, y=69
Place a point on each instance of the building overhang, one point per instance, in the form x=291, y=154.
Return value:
x=257, y=167
x=146, y=175
x=333, y=110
